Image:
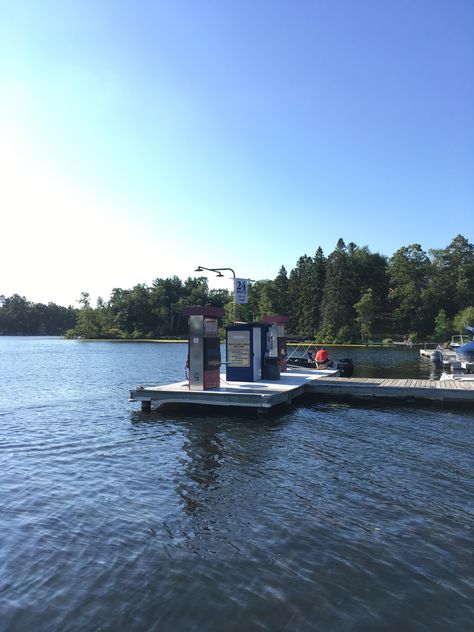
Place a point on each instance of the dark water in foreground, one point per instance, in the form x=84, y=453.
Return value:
x=324, y=517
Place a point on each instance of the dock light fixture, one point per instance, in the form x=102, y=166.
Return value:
x=218, y=272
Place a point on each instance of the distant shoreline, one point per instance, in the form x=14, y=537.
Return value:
x=309, y=343
x=288, y=344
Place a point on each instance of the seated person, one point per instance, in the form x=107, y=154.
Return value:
x=310, y=354
x=322, y=359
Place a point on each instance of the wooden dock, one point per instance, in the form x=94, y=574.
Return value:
x=295, y=382
x=402, y=389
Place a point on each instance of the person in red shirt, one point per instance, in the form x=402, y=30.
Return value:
x=322, y=359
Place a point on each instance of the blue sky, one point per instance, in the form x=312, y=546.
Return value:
x=140, y=139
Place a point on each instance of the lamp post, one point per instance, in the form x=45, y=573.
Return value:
x=218, y=272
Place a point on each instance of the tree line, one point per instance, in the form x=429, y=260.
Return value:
x=18, y=316
x=352, y=295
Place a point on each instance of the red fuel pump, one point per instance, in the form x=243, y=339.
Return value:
x=204, y=351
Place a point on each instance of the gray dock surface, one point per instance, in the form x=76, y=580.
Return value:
x=403, y=389
x=262, y=394
x=295, y=382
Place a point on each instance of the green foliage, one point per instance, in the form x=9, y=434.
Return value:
x=367, y=310
x=88, y=325
x=340, y=294
x=443, y=327
x=409, y=275
x=452, y=278
x=353, y=295
x=463, y=318
x=20, y=316
x=305, y=294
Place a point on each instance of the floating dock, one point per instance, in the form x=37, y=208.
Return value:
x=448, y=354
x=264, y=395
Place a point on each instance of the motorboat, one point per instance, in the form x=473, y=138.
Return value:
x=463, y=367
x=303, y=357
x=406, y=342
x=458, y=341
x=461, y=339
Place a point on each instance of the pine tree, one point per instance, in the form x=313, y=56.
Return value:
x=281, y=297
x=338, y=315
x=300, y=296
x=318, y=282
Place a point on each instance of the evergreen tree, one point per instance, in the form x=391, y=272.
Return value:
x=280, y=293
x=293, y=294
x=265, y=293
x=318, y=282
x=409, y=277
x=338, y=314
x=299, y=289
x=369, y=272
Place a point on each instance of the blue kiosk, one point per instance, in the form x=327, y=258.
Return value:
x=252, y=353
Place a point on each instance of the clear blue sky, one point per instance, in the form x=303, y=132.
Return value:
x=140, y=139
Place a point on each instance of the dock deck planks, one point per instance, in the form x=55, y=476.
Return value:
x=369, y=388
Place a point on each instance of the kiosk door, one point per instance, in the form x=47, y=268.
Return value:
x=257, y=353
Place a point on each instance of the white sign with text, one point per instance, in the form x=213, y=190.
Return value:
x=241, y=291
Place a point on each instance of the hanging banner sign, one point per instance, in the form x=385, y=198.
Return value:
x=241, y=291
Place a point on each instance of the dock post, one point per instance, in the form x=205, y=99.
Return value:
x=146, y=406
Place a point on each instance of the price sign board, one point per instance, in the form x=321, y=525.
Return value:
x=238, y=348
x=241, y=291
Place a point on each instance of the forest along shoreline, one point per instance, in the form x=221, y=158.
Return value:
x=351, y=296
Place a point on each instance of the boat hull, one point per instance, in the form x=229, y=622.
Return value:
x=344, y=366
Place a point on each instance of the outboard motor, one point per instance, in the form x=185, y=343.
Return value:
x=345, y=367
x=437, y=357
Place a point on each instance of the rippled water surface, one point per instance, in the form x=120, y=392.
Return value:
x=322, y=517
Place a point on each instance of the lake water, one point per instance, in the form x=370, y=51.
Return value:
x=323, y=517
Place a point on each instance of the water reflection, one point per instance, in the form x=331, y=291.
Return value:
x=435, y=371
x=204, y=457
